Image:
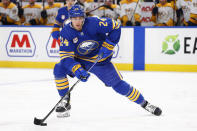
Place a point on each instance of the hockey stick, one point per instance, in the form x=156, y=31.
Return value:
x=134, y=10
x=41, y=121
x=104, y=5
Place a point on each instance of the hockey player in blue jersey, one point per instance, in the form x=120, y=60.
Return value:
x=61, y=19
x=82, y=40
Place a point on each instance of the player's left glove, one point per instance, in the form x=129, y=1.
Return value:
x=107, y=49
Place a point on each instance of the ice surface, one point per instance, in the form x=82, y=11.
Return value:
x=29, y=93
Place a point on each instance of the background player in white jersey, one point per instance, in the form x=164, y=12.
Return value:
x=193, y=14
x=163, y=14
x=110, y=10
x=130, y=12
x=8, y=13
x=183, y=8
x=90, y=5
x=49, y=13
x=31, y=15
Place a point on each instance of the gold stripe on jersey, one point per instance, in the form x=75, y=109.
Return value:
x=128, y=1
x=55, y=5
x=10, y=6
x=108, y=46
x=64, y=54
x=34, y=6
x=115, y=24
x=165, y=5
x=193, y=18
x=117, y=71
x=111, y=6
x=89, y=1
x=55, y=29
x=92, y=59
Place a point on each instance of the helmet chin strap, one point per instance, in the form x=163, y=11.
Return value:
x=83, y=21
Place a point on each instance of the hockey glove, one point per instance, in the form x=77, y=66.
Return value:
x=32, y=22
x=80, y=73
x=55, y=35
x=155, y=10
x=107, y=49
x=44, y=14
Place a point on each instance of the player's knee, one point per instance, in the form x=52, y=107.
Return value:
x=59, y=71
x=122, y=88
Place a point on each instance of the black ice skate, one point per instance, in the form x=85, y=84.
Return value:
x=152, y=109
x=63, y=109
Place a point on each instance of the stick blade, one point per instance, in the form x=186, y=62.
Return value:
x=39, y=122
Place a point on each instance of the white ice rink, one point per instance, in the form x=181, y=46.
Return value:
x=29, y=93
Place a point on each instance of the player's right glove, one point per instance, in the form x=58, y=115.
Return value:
x=80, y=73
x=107, y=49
x=55, y=35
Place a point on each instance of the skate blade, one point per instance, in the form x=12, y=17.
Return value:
x=63, y=114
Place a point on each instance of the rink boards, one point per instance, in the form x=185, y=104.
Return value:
x=140, y=48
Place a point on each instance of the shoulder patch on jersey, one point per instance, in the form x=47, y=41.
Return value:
x=75, y=40
x=63, y=17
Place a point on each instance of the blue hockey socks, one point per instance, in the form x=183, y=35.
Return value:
x=125, y=89
x=62, y=85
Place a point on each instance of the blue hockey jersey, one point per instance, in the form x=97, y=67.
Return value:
x=61, y=18
x=62, y=15
x=85, y=44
